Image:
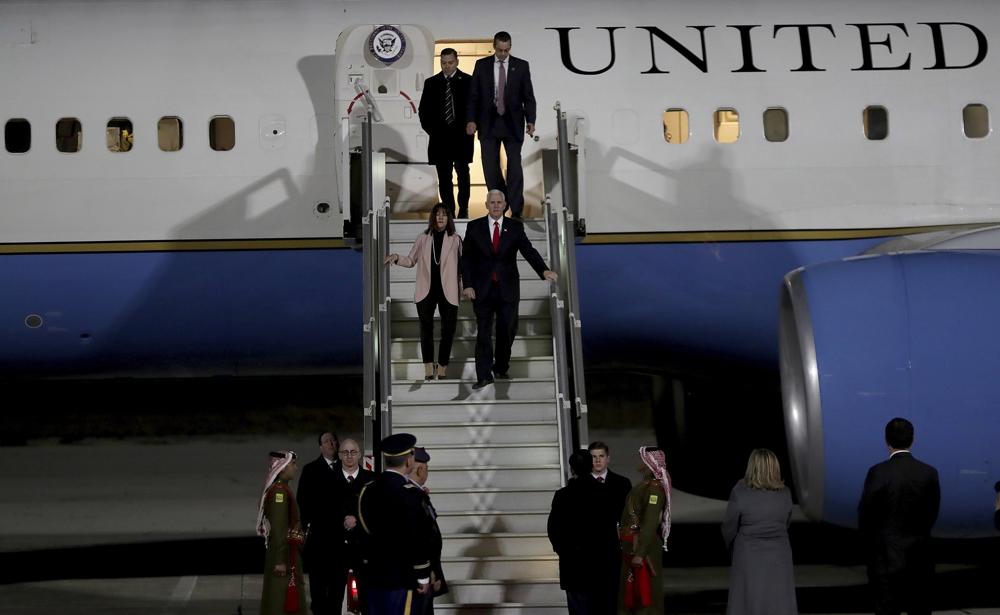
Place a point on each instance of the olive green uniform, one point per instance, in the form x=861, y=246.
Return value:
x=282, y=514
x=641, y=521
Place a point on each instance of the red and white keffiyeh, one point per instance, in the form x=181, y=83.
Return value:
x=657, y=464
x=278, y=462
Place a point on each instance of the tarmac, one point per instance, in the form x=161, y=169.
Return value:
x=167, y=526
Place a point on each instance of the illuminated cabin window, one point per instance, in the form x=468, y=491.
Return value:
x=17, y=135
x=69, y=135
x=876, y=120
x=727, y=125
x=222, y=133
x=119, y=134
x=170, y=133
x=776, y=125
x=976, y=121
x=675, y=126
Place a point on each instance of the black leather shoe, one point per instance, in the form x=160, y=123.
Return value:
x=463, y=213
x=481, y=383
x=501, y=375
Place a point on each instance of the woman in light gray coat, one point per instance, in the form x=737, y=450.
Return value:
x=761, y=580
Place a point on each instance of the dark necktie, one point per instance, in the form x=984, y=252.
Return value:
x=600, y=479
x=350, y=479
x=501, y=86
x=496, y=245
x=449, y=102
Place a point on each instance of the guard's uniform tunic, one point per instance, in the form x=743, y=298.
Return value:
x=282, y=514
x=398, y=544
x=640, y=528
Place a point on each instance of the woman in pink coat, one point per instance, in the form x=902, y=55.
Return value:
x=436, y=254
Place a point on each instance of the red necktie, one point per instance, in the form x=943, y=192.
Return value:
x=501, y=86
x=496, y=244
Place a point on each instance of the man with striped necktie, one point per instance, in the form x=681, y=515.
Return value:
x=442, y=116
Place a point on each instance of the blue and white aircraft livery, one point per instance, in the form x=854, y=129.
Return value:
x=804, y=184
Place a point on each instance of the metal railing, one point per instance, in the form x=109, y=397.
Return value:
x=565, y=303
x=376, y=301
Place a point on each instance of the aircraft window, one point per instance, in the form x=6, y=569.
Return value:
x=727, y=125
x=170, y=133
x=876, y=120
x=776, y=124
x=69, y=135
x=675, y=126
x=222, y=133
x=976, y=119
x=119, y=134
x=17, y=135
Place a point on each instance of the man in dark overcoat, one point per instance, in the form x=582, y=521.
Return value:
x=442, y=116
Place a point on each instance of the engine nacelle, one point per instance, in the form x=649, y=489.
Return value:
x=915, y=335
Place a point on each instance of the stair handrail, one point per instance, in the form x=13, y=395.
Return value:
x=565, y=222
x=557, y=311
x=377, y=389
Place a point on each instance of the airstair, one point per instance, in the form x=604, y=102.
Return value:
x=499, y=453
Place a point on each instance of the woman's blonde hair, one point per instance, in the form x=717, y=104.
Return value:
x=763, y=471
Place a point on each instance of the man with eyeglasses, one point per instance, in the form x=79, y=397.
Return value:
x=320, y=514
x=351, y=478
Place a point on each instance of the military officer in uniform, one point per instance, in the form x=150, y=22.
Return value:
x=439, y=586
x=397, y=530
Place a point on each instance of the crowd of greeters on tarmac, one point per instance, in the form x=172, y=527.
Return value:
x=376, y=537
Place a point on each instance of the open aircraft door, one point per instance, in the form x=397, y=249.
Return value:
x=391, y=62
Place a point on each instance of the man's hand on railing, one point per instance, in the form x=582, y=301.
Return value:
x=551, y=276
x=469, y=293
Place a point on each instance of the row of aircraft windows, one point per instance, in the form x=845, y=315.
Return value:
x=119, y=133
x=874, y=121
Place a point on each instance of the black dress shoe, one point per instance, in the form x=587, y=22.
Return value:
x=501, y=375
x=481, y=383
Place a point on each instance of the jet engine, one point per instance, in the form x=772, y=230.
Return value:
x=868, y=338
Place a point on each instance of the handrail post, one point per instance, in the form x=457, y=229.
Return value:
x=567, y=189
x=385, y=340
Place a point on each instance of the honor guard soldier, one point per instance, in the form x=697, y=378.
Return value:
x=398, y=533
x=439, y=586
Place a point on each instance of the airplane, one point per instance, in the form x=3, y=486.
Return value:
x=173, y=197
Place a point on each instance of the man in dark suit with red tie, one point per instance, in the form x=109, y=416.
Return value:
x=502, y=108
x=898, y=508
x=492, y=283
x=442, y=116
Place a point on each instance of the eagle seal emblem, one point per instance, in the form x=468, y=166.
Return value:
x=387, y=44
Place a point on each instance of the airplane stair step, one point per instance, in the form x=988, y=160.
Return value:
x=472, y=410
x=493, y=454
x=504, y=543
x=531, y=288
x=520, y=367
x=466, y=326
x=534, y=228
x=487, y=593
x=503, y=608
x=492, y=521
x=500, y=567
x=403, y=274
x=458, y=499
x=434, y=435
x=455, y=390
x=504, y=477
x=465, y=346
x=400, y=245
x=404, y=307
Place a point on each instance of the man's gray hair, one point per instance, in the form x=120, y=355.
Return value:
x=495, y=191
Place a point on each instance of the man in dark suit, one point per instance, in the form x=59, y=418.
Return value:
x=898, y=508
x=492, y=283
x=442, y=116
x=319, y=511
x=614, y=489
x=398, y=571
x=502, y=108
x=348, y=484
x=583, y=533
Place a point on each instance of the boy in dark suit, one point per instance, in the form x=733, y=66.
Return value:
x=502, y=108
x=442, y=116
x=898, y=508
